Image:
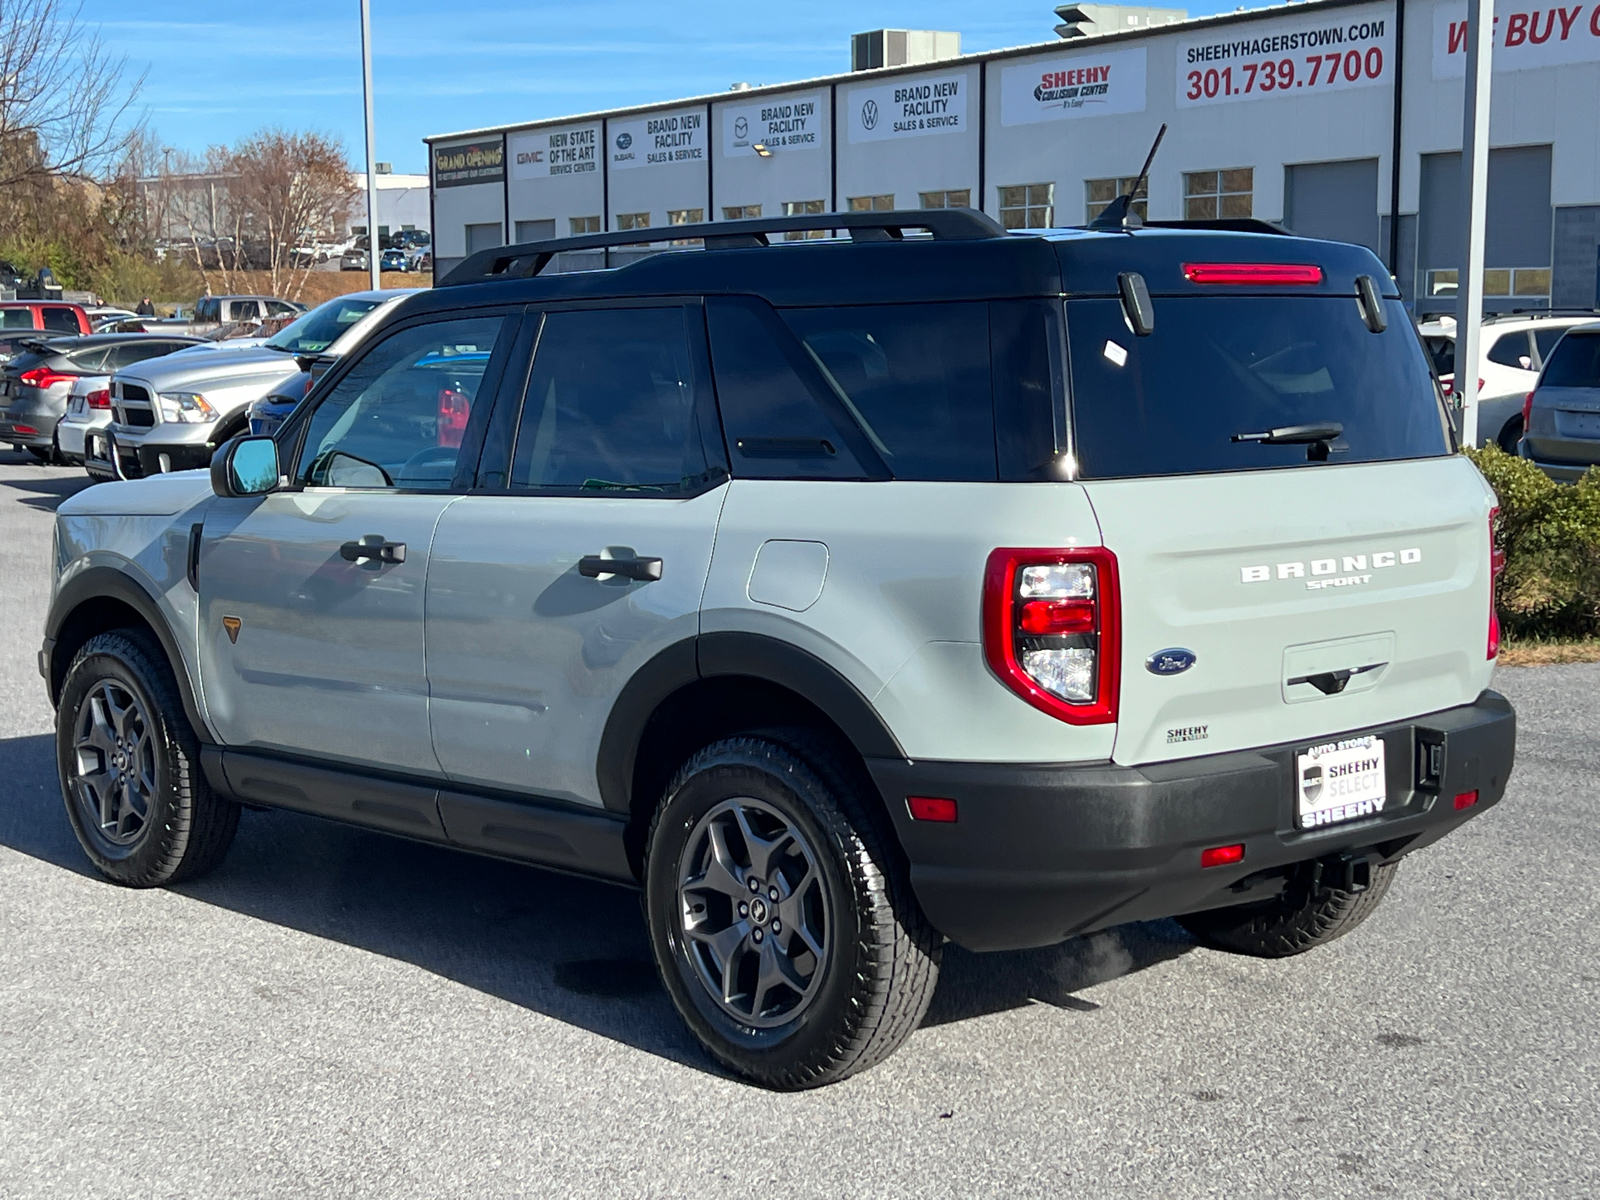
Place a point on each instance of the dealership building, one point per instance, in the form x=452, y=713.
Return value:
x=1338, y=120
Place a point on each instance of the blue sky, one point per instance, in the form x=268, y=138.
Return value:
x=215, y=73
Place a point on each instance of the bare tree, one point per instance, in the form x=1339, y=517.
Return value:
x=288, y=190
x=66, y=108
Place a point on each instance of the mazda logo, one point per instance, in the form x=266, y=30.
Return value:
x=741, y=128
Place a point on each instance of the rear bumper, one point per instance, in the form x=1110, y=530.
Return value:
x=1041, y=853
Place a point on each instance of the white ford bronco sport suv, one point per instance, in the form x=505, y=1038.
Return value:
x=846, y=596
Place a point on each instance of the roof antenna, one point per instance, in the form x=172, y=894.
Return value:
x=1119, y=213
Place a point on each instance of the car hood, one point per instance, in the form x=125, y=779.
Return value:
x=153, y=496
x=187, y=370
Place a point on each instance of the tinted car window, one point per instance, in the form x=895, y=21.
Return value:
x=398, y=417
x=91, y=359
x=1443, y=352
x=16, y=318
x=779, y=417
x=916, y=379
x=1575, y=363
x=1545, y=340
x=62, y=319
x=1171, y=403
x=321, y=327
x=613, y=406
x=1510, y=349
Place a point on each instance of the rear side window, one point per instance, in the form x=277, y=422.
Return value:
x=1574, y=363
x=613, y=406
x=1511, y=350
x=16, y=318
x=916, y=379
x=63, y=320
x=92, y=359
x=1220, y=367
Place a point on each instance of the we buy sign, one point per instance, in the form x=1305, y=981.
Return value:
x=1525, y=36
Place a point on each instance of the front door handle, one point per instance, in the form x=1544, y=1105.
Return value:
x=592, y=566
x=372, y=547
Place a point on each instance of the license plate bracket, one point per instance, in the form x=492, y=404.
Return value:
x=1340, y=781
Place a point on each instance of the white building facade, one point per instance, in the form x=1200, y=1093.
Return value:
x=1334, y=118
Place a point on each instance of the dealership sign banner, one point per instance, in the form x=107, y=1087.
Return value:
x=1524, y=37
x=475, y=162
x=564, y=152
x=908, y=108
x=782, y=123
x=658, y=140
x=1073, y=85
x=1328, y=50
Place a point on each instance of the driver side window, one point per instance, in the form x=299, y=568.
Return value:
x=397, y=419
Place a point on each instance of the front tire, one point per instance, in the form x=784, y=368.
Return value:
x=129, y=765
x=1309, y=913
x=781, y=918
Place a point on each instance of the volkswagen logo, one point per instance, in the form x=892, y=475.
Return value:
x=741, y=128
x=869, y=115
x=1170, y=662
x=624, y=140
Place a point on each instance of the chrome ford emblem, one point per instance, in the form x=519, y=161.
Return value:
x=1170, y=662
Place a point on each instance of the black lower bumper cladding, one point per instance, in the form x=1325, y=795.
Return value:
x=1040, y=853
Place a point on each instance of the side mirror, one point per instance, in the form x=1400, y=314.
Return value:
x=245, y=466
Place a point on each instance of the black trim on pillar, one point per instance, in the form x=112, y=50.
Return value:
x=983, y=133
x=833, y=147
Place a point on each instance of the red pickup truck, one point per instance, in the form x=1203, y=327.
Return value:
x=28, y=318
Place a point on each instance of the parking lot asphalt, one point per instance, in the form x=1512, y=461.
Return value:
x=337, y=1012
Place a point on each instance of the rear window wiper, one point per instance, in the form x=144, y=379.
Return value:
x=1294, y=435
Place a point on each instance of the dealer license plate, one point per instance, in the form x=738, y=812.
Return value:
x=1340, y=781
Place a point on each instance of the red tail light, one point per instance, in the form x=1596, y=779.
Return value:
x=1497, y=563
x=1527, y=411
x=1052, y=630
x=44, y=377
x=454, y=409
x=100, y=398
x=1266, y=274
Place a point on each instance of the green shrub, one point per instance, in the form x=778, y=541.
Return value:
x=1551, y=536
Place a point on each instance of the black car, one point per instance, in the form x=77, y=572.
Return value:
x=35, y=384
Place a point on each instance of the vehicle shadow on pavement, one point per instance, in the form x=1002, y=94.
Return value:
x=566, y=947
x=49, y=487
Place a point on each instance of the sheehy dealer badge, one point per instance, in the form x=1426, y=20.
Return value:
x=1340, y=781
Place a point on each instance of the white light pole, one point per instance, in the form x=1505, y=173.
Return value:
x=1475, y=181
x=374, y=254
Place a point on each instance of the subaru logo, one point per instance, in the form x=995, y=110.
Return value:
x=624, y=140
x=1170, y=662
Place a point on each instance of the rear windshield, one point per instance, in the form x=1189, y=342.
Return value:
x=1219, y=367
x=1575, y=363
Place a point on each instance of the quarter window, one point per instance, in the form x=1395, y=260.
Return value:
x=1209, y=195
x=1511, y=350
x=1028, y=205
x=613, y=407
x=397, y=419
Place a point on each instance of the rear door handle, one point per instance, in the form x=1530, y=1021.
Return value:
x=372, y=547
x=592, y=566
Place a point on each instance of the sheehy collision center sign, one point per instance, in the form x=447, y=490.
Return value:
x=1073, y=85
x=564, y=152
x=658, y=140
x=782, y=123
x=908, y=108
x=1524, y=36
x=1325, y=51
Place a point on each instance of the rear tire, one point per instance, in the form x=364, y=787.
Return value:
x=43, y=455
x=1510, y=435
x=1305, y=916
x=129, y=765
x=781, y=916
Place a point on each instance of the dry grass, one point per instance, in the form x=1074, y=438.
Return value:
x=1544, y=654
x=325, y=285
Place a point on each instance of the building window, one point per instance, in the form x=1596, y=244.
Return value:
x=536, y=231
x=803, y=208
x=627, y=221
x=1208, y=195
x=959, y=198
x=1028, y=206
x=685, y=216
x=740, y=212
x=1101, y=192
x=872, y=203
x=1524, y=283
x=582, y=225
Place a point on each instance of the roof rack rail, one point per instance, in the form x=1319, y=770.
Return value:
x=527, y=259
x=1226, y=224
x=1524, y=314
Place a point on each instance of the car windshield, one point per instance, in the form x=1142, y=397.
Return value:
x=1575, y=362
x=322, y=326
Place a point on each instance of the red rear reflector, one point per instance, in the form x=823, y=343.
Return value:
x=1222, y=856
x=1257, y=273
x=25, y=430
x=100, y=399
x=1467, y=799
x=931, y=808
x=1057, y=616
